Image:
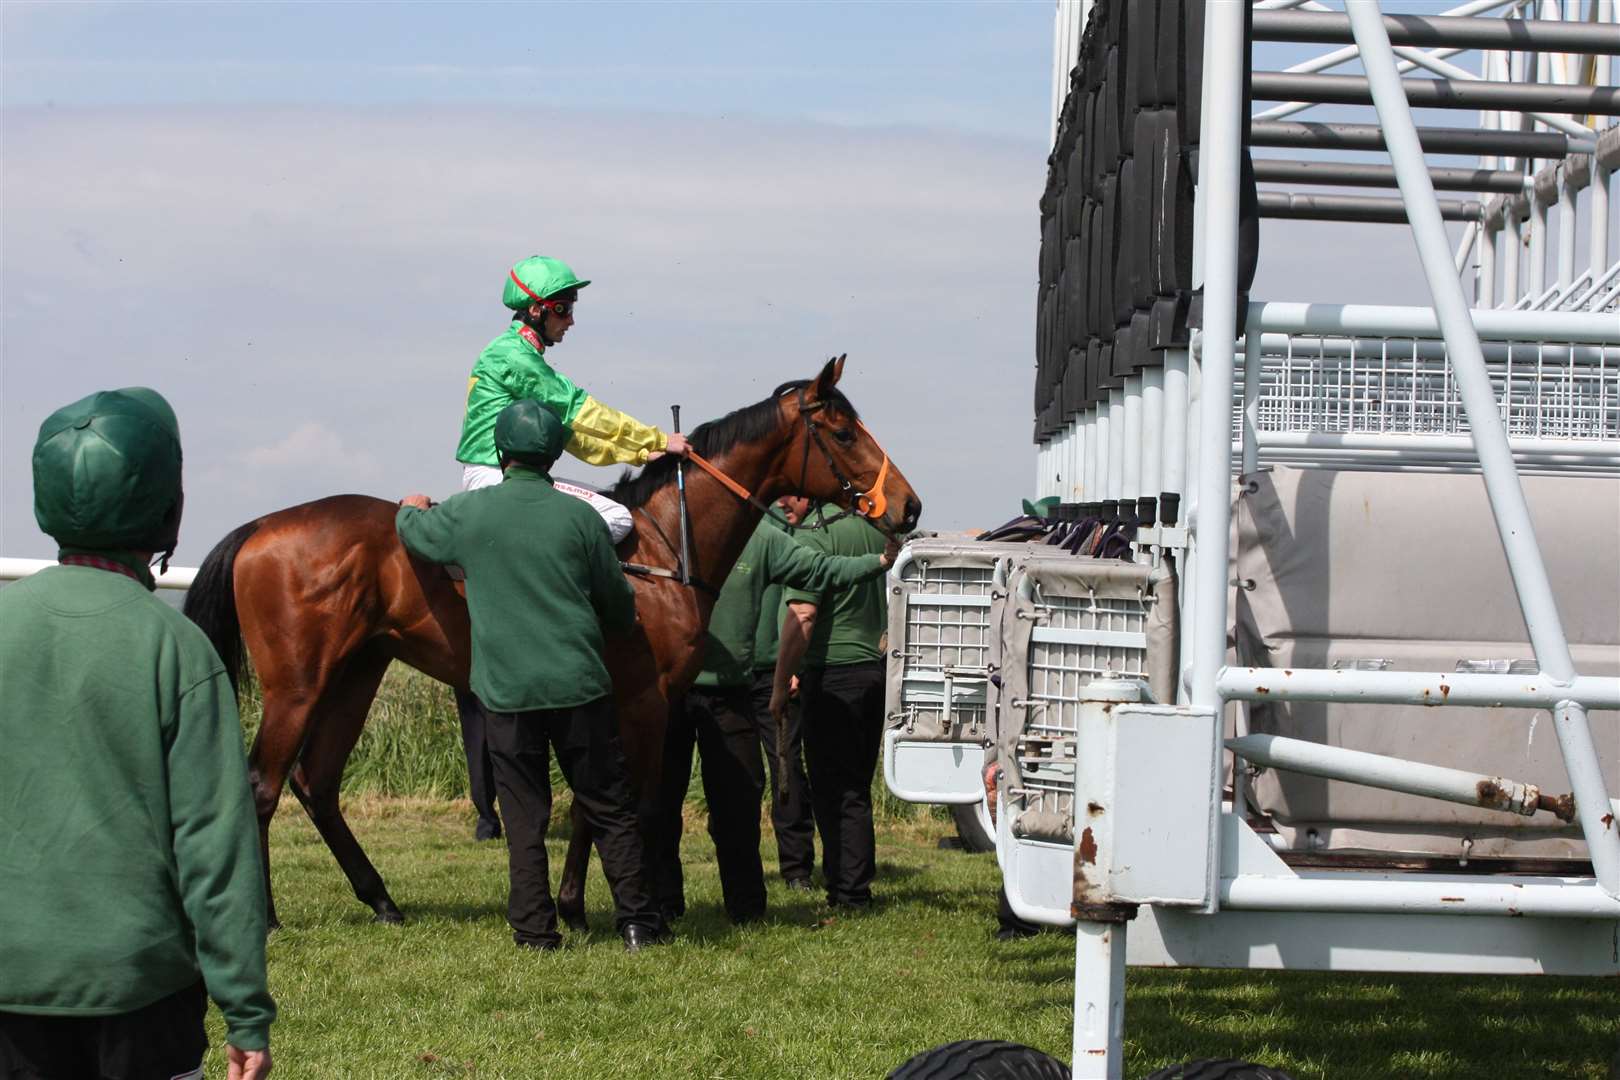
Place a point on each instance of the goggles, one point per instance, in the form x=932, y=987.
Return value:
x=560, y=308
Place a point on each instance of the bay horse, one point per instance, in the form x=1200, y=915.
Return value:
x=323, y=597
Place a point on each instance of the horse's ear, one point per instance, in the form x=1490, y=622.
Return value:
x=831, y=372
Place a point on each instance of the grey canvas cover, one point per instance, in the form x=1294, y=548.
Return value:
x=1406, y=571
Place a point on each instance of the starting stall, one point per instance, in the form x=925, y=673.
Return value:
x=1315, y=662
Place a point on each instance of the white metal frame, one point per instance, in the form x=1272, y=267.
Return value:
x=1528, y=379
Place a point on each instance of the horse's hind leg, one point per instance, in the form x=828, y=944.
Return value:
x=315, y=781
x=571, y=889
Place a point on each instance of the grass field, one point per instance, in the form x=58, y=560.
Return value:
x=804, y=994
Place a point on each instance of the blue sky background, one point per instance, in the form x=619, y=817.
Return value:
x=294, y=219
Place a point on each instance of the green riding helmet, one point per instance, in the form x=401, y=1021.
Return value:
x=107, y=473
x=528, y=432
x=537, y=278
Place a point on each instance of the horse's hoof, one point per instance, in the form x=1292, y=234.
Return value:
x=576, y=923
x=390, y=917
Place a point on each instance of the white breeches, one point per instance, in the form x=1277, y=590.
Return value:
x=618, y=518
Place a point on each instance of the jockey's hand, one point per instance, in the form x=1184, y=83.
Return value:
x=891, y=551
x=419, y=502
x=678, y=445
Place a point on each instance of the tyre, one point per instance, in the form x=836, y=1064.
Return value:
x=973, y=826
x=1219, y=1069
x=982, y=1059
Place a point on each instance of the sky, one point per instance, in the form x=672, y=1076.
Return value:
x=293, y=220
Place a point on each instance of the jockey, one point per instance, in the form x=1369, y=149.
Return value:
x=543, y=291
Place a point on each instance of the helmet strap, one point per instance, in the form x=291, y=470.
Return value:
x=538, y=325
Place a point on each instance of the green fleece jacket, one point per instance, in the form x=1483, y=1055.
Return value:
x=542, y=585
x=849, y=621
x=771, y=557
x=129, y=849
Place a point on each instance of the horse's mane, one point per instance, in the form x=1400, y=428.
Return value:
x=746, y=424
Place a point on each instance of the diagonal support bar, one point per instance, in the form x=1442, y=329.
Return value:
x=1502, y=485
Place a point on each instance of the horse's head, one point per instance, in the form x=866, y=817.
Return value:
x=831, y=456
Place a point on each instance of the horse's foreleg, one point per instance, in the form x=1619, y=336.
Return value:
x=320, y=770
x=571, y=889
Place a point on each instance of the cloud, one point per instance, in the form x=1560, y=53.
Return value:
x=311, y=446
x=311, y=286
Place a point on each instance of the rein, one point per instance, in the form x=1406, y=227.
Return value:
x=870, y=504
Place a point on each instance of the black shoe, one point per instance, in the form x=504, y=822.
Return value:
x=799, y=884
x=544, y=945
x=487, y=829
x=638, y=937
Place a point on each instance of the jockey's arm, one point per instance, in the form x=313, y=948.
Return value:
x=606, y=436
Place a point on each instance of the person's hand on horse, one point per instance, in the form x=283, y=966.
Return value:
x=891, y=552
x=419, y=502
x=246, y=1064
x=677, y=445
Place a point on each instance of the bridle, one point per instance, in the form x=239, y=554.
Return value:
x=870, y=504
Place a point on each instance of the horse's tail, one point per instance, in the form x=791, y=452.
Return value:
x=211, y=601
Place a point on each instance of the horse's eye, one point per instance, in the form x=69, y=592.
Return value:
x=846, y=437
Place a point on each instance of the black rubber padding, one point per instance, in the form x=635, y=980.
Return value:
x=982, y=1059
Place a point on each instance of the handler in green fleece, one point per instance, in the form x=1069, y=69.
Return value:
x=542, y=585
x=717, y=717
x=131, y=888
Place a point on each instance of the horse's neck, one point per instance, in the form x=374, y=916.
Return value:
x=719, y=521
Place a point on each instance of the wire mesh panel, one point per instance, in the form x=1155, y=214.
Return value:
x=942, y=640
x=1351, y=385
x=1080, y=630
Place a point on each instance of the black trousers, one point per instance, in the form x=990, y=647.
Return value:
x=719, y=724
x=480, y=768
x=843, y=724
x=586, y=742
x=163, y=1039
x=791, y=817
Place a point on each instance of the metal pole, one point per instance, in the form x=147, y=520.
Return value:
x=680, y=487
x=1538, y=246
x=1152, y=431
x=1116, y=445
x=1598, y=238
x=1173, y=459
x=1089, y=492
x=1436, y=140
x=1428, y=688
x=1251, y=395
x=1566, y=228
x=1597, y=816
x=1468, y=363
x=1485, y=288
x=1105, y=444
x=1222, y=147
x=1512, y=252
x=1099, y=1000
x=1544, y=35
x=1131, y=471
x=1398, y=774
x=1440, y=93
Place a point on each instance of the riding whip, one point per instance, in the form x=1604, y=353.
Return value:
x=680, y=486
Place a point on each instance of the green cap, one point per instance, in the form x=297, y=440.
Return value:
x=107, y=472
x=1041, y=508
x=538, y=278
x=529, y=432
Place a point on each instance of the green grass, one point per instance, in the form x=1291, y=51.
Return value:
x=805, y=994
x=810, y=994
